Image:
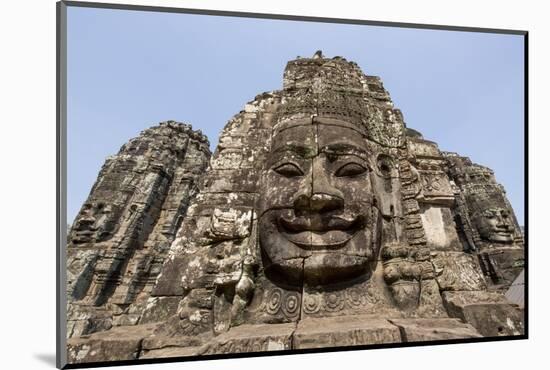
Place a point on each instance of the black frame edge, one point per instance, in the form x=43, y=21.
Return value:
x=61, y=184
x=526, y=182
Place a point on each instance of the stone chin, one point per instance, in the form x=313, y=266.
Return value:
x=315, y=251
x=333, y=268
x=498, y=236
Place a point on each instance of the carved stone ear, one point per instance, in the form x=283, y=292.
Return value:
x=385, y=186
x=384, y=166
x=376, y=232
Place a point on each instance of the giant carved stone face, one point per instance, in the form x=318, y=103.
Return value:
x=495, y=225
x=316, y=210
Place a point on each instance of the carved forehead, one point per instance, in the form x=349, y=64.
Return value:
x=300, y=140
x=308, y=140
x=494, y=211
x=340, y=140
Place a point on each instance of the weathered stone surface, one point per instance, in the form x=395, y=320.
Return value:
x=321, y=220
x=158, y=342
x=169, y=280
x=488, y=312
x=488, y=221
x=458, y=271
x=122, y=235
x=502, y=265
x=252, y=338
x=495, y=319
x=516, y=292
x=419, y=330
x=82, y=320
x=80, y=270
x=344, y=331
x=462, y=298
x=121, y=343
x=159, y=309
x=169, y=352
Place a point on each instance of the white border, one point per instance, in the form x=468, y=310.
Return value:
x=28, y=180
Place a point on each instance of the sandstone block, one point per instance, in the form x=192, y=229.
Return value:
x=488, y=312
x=122, y=343
x=252, y=338
x=344, y=331
x=418, y=330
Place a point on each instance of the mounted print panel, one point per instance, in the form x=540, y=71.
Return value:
x=237, y=219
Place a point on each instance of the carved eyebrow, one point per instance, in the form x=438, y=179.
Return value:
x=343, y=149
x=301, y=150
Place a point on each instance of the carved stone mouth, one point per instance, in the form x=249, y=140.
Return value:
x=502, y=232
x=315, y=233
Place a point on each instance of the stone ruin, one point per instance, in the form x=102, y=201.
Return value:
x=123, y=232
x=321, y=220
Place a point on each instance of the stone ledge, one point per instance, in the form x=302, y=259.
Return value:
x=252, y=338
x=168, y=352
x=489, y=312
x=344, y=331
x=139, y=342
x=119, y=343
x=419, y=330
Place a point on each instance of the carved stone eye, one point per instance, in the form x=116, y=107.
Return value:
x=350, y=170
x=289, y=170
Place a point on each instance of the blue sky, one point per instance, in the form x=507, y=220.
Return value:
x=129, y=70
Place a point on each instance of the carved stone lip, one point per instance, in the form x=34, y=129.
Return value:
x=501, y=238
x=309, y=240
x=315, y=233
x=502, y=232
x=318, y=223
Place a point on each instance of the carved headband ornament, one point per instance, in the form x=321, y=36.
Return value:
x=332, y=105
x=383, y=125
x=485, y=201
x=493, y=212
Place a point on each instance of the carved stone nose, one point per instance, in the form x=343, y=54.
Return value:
x=501, y=222
x=318, y=203
x=505, y=225
x=85, y=223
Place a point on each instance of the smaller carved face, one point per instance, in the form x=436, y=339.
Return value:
x=94, y=223
x=495, y=225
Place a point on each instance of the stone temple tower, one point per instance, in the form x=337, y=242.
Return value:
x=123, y=232
x=321, y=220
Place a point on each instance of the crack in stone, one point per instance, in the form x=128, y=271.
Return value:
x=402, y=331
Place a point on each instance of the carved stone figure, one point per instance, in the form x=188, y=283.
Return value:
x=316, y=218
x=494, y=224
x=321, y=220
x=123, y=232
x=489, y=219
